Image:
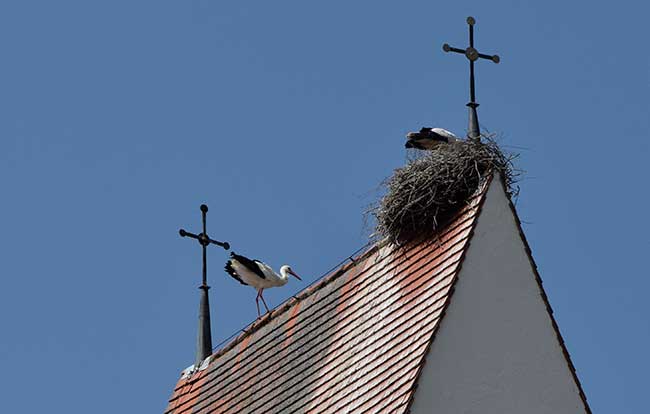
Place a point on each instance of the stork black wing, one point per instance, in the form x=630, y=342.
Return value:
x=249, y=264
x=437, y=137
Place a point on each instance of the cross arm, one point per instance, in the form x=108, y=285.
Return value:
x=201, y=238
x=471, y=53
x=448, y=48
x=225, y=245
x=184, y=233
x=493, y=58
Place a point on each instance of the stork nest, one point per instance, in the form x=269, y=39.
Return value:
x=424, y=194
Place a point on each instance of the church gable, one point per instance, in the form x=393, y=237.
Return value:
x=459, y=323
x=498, y=349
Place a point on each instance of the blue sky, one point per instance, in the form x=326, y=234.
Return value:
x=118, y=119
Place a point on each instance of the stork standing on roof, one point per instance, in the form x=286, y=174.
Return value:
x=429, y=138
x=257, y=274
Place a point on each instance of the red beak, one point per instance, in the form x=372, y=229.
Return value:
x=297, y=277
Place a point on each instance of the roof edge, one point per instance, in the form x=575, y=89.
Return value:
x=547, y=304
x=538, y=279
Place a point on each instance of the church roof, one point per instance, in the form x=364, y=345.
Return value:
x=355, y=341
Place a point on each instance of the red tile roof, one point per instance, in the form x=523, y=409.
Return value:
x=354, y=342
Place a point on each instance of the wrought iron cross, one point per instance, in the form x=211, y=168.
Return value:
x=472, y=55
x=204, y=339
x=204, y=241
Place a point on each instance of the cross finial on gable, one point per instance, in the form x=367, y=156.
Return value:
x=472, y=55
x=204, y=337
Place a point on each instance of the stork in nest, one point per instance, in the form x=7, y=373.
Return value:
x=429, y=138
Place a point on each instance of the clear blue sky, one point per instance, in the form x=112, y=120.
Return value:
x=117, y=119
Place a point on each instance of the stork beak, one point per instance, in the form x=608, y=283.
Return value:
x=292, y=272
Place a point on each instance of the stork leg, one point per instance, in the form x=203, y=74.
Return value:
x=261, y=291
x=257, y=302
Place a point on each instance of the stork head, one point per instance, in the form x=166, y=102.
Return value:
x=422, y=133
x=286, y=270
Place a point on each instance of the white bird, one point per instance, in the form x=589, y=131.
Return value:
x=258, y=275
x=429, y=138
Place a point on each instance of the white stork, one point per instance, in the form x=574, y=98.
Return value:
x=258, y=275
x=429, y=138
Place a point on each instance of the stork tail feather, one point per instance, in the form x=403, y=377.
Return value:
x=231, y=271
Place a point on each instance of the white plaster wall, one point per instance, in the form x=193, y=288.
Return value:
x=496, y=350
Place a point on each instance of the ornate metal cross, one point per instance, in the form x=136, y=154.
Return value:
x=204, y=241
x=204, y=339
x=472, y=55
